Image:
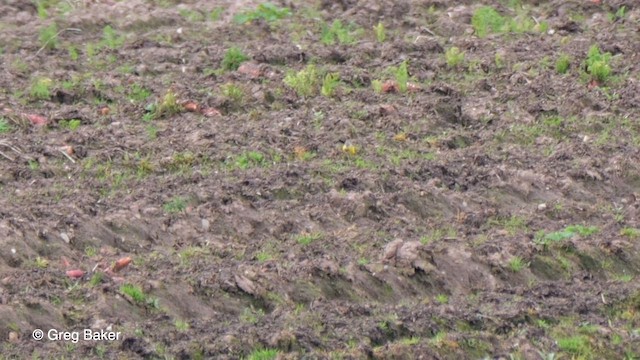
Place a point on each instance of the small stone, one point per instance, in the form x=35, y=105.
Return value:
x=542, y=207
x=14, y=337
x=387, y=109
x=65, y=237
x=205, y=225
x=390, y=251
x=252, y=70
x=390, y=86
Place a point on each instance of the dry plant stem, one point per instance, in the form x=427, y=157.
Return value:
x=55, y=36
x=7, y=145
x=67, y=155
x=6, y=156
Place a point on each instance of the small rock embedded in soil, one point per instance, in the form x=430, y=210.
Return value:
x=14, y=337
x=65, y=237
x=205, y=225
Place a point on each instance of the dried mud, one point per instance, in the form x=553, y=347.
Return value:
x=362, y=225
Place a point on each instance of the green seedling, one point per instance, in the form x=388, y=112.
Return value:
x=598, y=64
x=48, y=37
x=453, y=57
x=267, y=12
x=72, y=124
x=41, y=89
x=41, y=8
x=168, y=106
x=486, y=20
x=181, y=325
x=182, y=161
x=307, y=238
x=304, y=82
x=96, y=279
x=250, y=159
x=336, y=32
x=90, y=50
x=414, y=340
x=73, y=53
x=376, y=85
x=5, y=127
x=499, y=60
x=516, y=264
x=234, y=93
x=570, y=231
x=263, y=354
x=380, y=31
x=138, y=94
x=630, y=232
x=402, y=76
x=577, y=345
x=233, y=58
x=329, y=84
x=442, y=299
x=216, y=13
x=175, y=205
x=251, y=316
x=563, y=63
x=110, y=38
x=619, y=14
x=191, y=15
x=134, y=292
x=41, y=263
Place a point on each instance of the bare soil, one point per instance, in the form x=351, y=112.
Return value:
x=490, y=211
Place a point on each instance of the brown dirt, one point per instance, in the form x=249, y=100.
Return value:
x=363, y=225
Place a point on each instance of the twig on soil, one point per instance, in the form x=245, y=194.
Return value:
x=603, y=300
x=7, y=156
x=54, y=37
x=11, y=147
x=67, y=155
x=428, y=30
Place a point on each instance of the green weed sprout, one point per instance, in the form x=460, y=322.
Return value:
x=516, y=264
x=250, y=159
x=453, y=56
x=377, y=86
x=562, y=64
x=71, y=124
x=110, y=38
x=233, y=58
x=337, y=31
x=41, y=89
x=304, y=82
x=402, y=76
x=263, y=354
x=486, y=20
x=234, y=93
x=134, y=292
x=329, y=84
x=48, y=37
x=380, y=32
x=267, y=12
x=598, y=64
x=5, y=127
x=168, y=106
x=175, y=205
